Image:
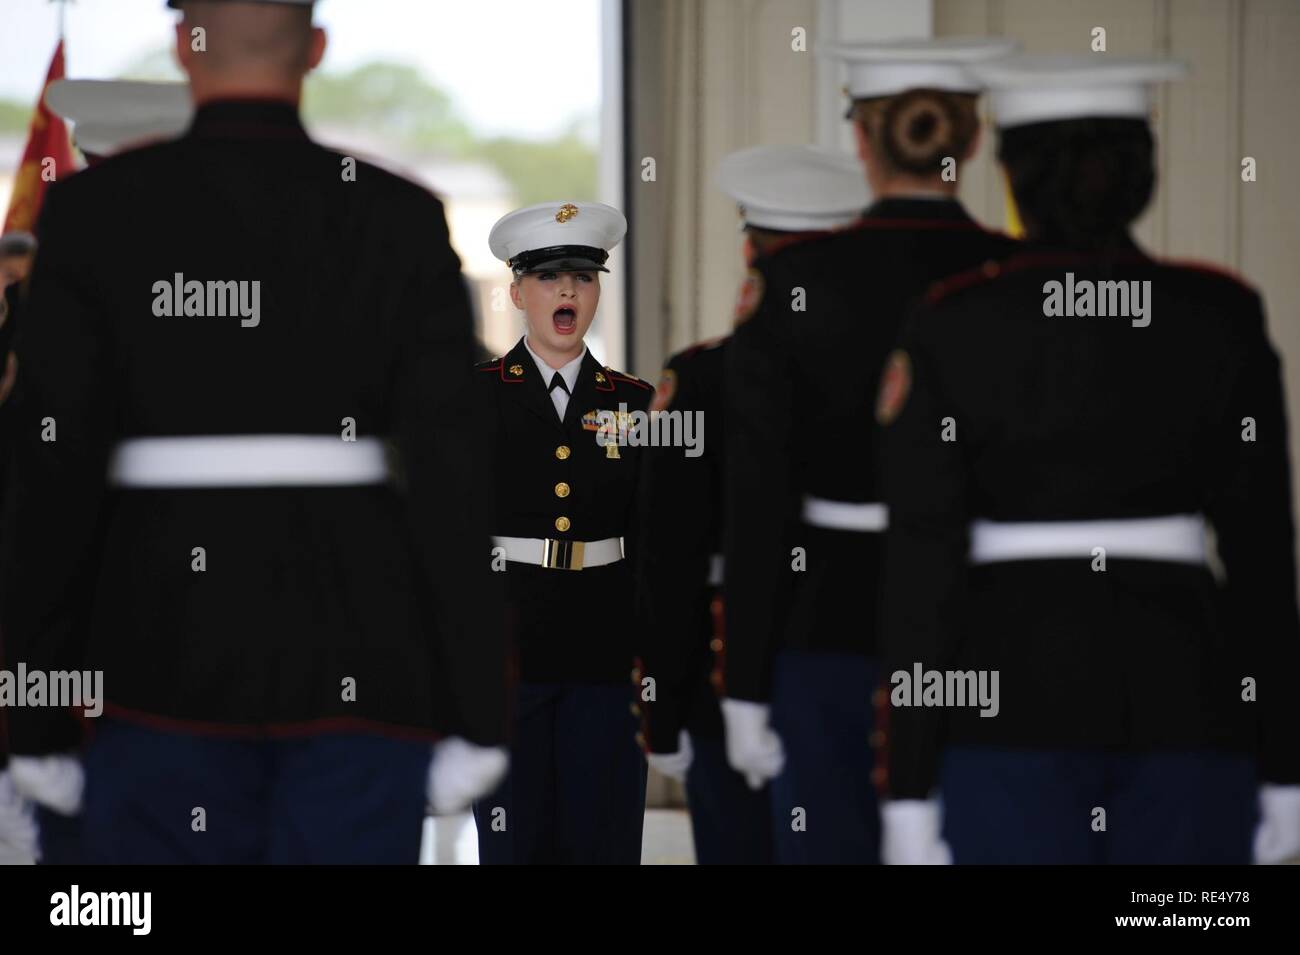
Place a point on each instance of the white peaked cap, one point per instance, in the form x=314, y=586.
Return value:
x=1039, y=89
x=573, y=236
x=111, y=115
x=890, y=67
x=794, y=188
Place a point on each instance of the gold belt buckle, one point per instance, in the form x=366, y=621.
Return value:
x=562, y=555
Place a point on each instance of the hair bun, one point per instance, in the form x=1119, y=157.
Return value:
x=920, y=128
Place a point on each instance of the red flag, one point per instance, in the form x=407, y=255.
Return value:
x=48, y=156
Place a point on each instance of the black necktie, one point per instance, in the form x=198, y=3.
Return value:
x=557, y=381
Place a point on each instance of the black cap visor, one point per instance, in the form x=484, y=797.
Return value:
x=560, y=258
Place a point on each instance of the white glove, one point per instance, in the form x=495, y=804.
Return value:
x=19, y=843
x=910, y=833
x=55, y=782
x=753, y=749
x=460, y=772
x=1278, y=836
x=674, y=765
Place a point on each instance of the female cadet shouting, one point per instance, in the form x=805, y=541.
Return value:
x=565, y=486
x=1060, y=431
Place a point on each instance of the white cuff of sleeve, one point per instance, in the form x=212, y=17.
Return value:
x=55, y=782
x=674, y=765
x=911, y=833
x=461, y=772
x=1277, y=838
x=753, y=748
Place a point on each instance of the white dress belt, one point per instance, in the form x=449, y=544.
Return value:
x=247, y=460
x=845, y=515
x=1179, y=538
x=715, y=570
x=565, y=555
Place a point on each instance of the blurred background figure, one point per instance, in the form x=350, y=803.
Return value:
x=109, y=116
x=17, y=250
x=1058, y=539
x=804, y=512
x=783, y=194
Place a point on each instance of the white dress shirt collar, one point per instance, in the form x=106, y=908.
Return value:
x=569, y=372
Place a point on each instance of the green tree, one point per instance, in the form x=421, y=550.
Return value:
x=392, y=100
x=15, y=117
x=561, y=168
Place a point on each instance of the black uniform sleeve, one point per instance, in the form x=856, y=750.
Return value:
x=1253, y=520
x=62, y=433
x=444, y=438
x=925, y=480
x=759, y=483
x=674, y=502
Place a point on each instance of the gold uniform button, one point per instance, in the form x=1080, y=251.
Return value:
x=561, y=523
x=640, y=740
x=715, y=678
x=563, y=452
x=716, y=644
x=561, y=490
x=636, y=710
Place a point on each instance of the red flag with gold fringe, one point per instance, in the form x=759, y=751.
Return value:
x=48, y=156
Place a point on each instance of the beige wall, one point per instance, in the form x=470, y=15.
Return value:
x=712, y=76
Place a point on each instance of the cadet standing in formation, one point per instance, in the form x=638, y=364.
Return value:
x=564, y=541
x=108, y=116
x=18, y=832
x=1057, y=536
x=281, y=633
x=784, y=194
x=803, y=522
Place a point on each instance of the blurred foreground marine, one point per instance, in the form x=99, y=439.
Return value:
x=803, y=511
x=564, y=541
x=109, y=116
x=785, y=194
x=1060, y=431
x=223, y=331
x=18, y=832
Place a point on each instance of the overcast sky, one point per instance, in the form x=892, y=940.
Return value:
x=512, y=66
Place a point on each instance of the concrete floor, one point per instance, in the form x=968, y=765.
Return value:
x=452, y=840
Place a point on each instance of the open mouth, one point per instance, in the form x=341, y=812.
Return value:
x=565, y=319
